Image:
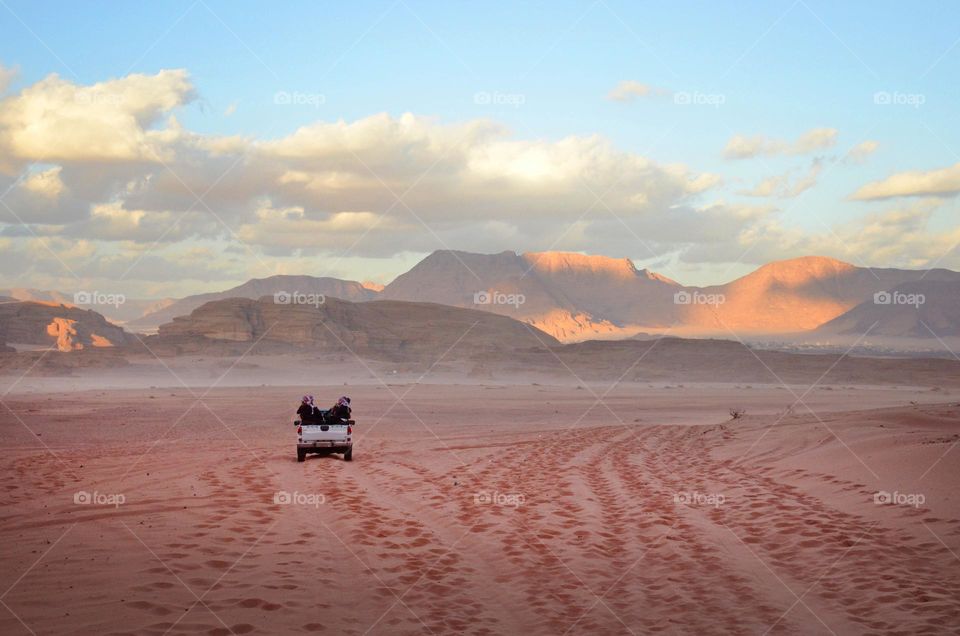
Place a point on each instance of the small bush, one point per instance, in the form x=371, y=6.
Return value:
x=736, y=414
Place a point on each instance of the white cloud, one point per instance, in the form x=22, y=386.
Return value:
x=743, y=147
x=57, y=120
x=860, y=152
x=629, y=90
x=807, y=181
x=783, y=186
x=813, y=140
x=321, y=188
x=945, y=181
x=114, y=222
x=6, y=77
x=292, y=228
x=703, y=182
x=89, y=185
x=46, y=184
x=901, y=236
x=768, y=187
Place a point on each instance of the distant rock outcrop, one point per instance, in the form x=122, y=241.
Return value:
x=374, y=287
x=387, y=330
x=118, y=313
x=65, y=328
x=256, y=288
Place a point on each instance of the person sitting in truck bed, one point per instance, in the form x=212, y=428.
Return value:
x=341, y=410
x=308, y=411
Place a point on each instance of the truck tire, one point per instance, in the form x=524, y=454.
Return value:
x=348, y=456
x=301, y=455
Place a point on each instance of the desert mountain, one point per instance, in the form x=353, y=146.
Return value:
x=386, y=330
x=918, y=309
x=576, y=297
x=256, y=288
x=797, y=295
x=570, y=296
x=60, y=326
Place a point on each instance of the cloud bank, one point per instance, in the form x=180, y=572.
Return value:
x=103, y=183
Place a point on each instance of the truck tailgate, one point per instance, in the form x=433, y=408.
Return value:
x=325, y=432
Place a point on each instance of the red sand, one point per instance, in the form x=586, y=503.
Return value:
x=652, y=513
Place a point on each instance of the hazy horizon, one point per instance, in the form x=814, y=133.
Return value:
x=221, y=286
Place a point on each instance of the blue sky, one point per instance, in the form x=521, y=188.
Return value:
x=779, y=69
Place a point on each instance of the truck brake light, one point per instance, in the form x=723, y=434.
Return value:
x=299, y=430
x=349, y=430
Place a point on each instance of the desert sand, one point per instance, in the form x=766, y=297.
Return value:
x=483, y=509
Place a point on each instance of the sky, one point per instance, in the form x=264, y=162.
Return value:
x=181, y=147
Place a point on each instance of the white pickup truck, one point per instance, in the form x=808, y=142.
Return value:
x=325, y=438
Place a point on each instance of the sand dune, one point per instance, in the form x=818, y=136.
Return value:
x=483, y=510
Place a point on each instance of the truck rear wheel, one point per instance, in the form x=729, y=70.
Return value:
x=301, y=455
x=348, y=456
